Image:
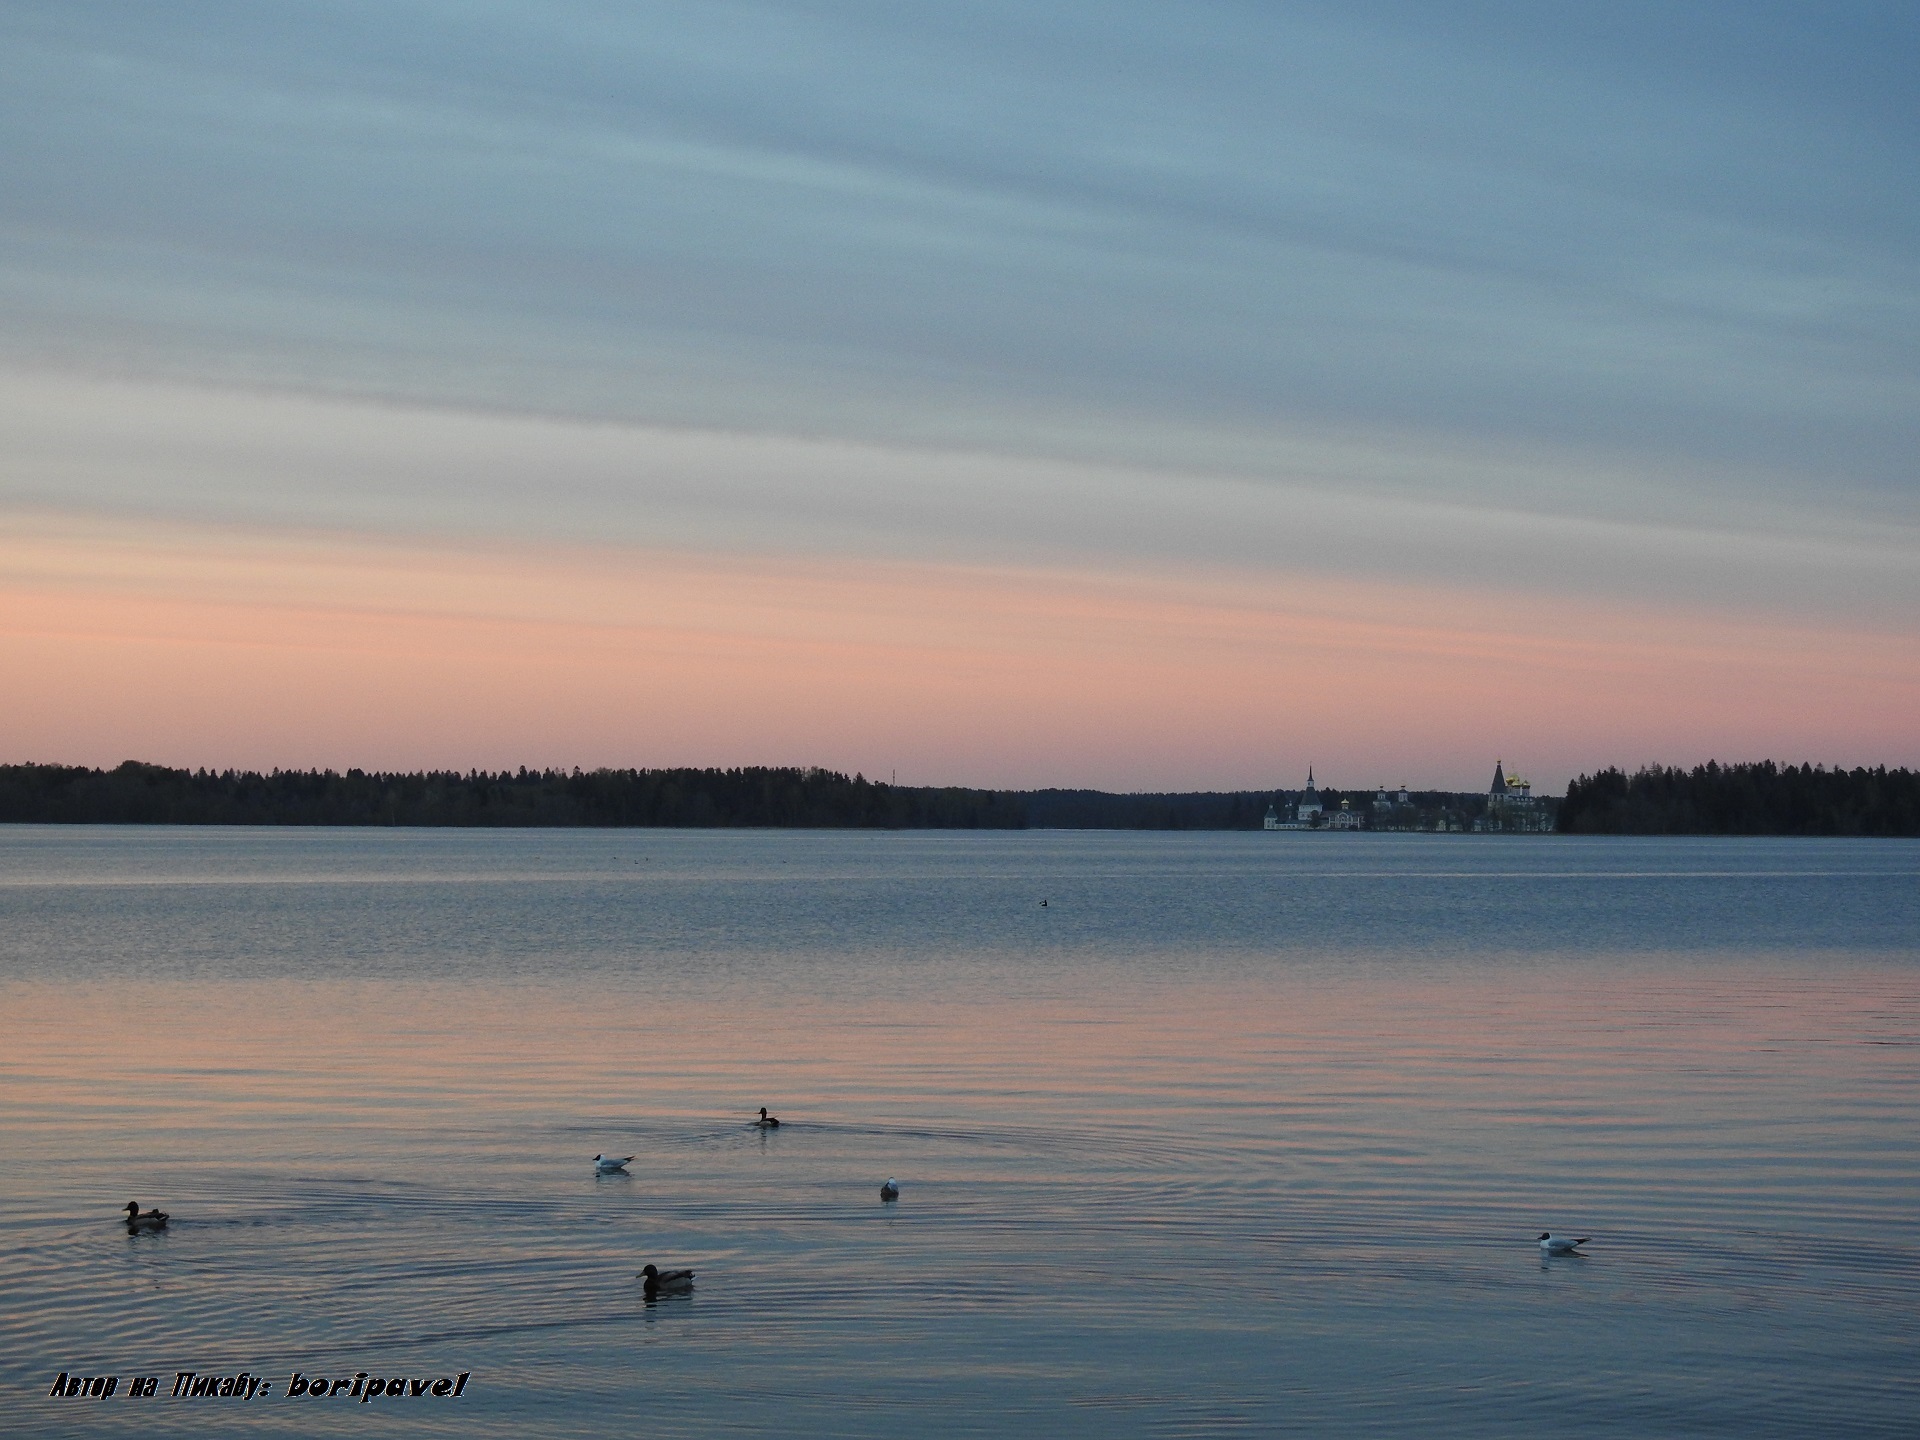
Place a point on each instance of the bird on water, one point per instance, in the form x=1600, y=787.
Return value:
x=608, y=1164
x=890, y=1190
x=665, y=1282
x=1552, y=1244
x=766, y=1121
x=138, y=1219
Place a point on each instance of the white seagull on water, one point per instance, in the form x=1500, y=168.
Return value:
x=1552, y=1244
x=608, y=1164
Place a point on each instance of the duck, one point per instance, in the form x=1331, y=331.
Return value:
x=1552, y=1244
x=138, y=1219
x=766, y=1121
x=665, y=1282
x=610, y=1164
x=890, y=1190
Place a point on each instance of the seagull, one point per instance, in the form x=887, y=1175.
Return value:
x=766, y=1121
x=609, y=1164
x=1552, y=1244
x=665, y=1282
x=138, y=1219
x=890, y=1190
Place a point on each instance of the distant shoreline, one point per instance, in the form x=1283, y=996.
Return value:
x=1751, y=799
x=747, y=798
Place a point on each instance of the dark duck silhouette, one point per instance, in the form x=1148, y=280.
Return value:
x=138, y=1219
x=666, y=1282
x=766, y=1121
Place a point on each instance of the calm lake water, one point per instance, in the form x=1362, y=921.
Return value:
x=1238, y=1133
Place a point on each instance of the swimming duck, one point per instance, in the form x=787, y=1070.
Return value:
x=138, y=1219
x=608, y=1164
x=766, y=1121
x=665, y=1282
x=1552, y=1244
x=890, y=1190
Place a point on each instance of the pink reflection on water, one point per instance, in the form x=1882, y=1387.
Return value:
x=1317, y=1060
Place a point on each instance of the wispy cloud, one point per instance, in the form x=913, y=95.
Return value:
x=1151, y=215
x=1345, y=506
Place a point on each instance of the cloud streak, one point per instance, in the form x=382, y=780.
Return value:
x=1148, y=218
x=268, y=457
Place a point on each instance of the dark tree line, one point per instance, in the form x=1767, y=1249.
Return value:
x=1100, y=810
x=1756, y=799
x=139, y=794
x=1711, y=799
x=755, y=796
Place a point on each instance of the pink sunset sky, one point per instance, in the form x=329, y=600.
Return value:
x=464, y=393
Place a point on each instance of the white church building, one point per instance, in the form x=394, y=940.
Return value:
x=1310, y=814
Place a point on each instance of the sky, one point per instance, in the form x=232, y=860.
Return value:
x=1142, y=396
